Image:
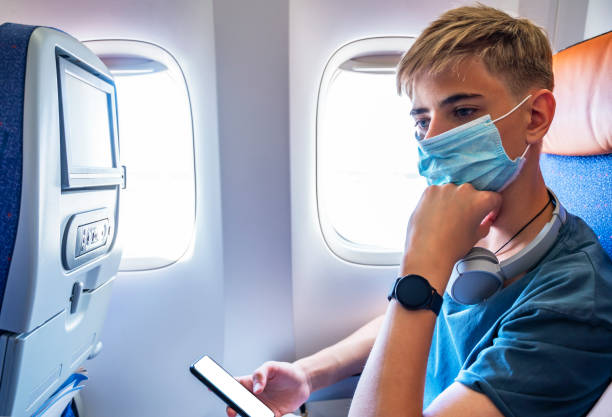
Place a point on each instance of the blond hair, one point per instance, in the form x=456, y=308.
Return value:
x=515, y=49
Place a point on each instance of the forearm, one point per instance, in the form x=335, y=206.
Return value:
x=345, y=358
x=393, y=380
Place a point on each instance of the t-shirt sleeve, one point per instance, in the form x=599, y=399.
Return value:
x=542, y=363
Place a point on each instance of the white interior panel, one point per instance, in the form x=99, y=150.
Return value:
x=599, y=18
x=252, y=71
x=567, y=22
x=570, y=23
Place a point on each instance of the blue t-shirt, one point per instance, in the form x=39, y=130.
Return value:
x=543, y=345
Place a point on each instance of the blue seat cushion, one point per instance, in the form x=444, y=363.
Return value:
x=584, y=187
x=14, y=40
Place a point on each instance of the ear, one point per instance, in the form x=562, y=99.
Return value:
x=542, y=113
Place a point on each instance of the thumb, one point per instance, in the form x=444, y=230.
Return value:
x=490, y=204
x=260, y=379
x=484, y=227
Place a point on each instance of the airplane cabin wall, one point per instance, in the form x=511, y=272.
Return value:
x=253, y=78
x=599, y=16
x=159, y=321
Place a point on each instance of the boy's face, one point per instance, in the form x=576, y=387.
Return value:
x=455, y=97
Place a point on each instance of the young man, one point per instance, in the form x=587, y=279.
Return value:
x=540, y=346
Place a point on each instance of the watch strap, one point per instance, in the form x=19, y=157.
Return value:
x=436, y=301
x=392, y=292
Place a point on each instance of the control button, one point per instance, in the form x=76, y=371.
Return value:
x=92, y=236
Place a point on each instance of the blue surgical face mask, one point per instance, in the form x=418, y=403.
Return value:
x=470, y=153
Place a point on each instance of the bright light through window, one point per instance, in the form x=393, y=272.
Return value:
x=157, y=207
x=368, y=182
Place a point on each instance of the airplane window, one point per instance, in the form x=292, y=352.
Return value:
x=157, y=207
x=367, y=175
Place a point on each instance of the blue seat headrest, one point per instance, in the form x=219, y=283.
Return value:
x=14, y=41
x=584, y=185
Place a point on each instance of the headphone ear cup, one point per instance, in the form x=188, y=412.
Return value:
x=476, y=277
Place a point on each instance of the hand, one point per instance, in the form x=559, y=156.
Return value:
x=445, y=225
x=282, y=386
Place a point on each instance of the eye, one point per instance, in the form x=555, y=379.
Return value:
x=422, y=125
x=463, y=112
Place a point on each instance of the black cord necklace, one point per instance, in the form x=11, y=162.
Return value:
x=524, y=227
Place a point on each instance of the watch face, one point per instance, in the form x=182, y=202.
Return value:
x=413, y=291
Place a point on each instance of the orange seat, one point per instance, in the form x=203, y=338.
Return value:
x=583, y=89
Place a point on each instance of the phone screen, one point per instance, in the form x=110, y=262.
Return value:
x=228, y=389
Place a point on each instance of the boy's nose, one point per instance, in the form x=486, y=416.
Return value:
x=437, y=125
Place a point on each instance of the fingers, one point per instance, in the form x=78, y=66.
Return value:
x=259, y=382
x=246, y=382
x=489, y=204
x=450, y=217
x=485, y=226
x=480, y=203
x=483, y=208
x=230, y=412
x=261, y=376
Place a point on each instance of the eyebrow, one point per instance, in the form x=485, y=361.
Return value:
x=448, y=100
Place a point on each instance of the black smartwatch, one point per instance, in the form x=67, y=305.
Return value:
x=414, y=293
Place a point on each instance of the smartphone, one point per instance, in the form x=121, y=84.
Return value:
x=228, y=389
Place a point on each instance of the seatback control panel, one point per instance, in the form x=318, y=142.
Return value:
x=87, y=236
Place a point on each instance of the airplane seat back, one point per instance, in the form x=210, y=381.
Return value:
x=577, y=153
x=576, y=156
x=59, y=185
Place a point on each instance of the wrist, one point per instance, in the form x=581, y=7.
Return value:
x=436, y=271
x=307, y=371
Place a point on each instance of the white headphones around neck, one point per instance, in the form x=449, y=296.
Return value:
x=479, y=275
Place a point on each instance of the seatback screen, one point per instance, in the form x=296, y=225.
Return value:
x=88, y=122
x=90, y=147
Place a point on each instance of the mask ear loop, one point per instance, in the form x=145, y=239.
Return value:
x=525, y=151
x=510, y=112
x=514, y=108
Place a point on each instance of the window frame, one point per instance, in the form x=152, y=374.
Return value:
x=141, y=50
x=339, y=246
